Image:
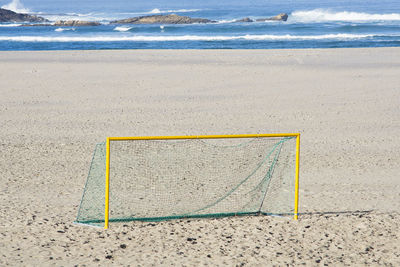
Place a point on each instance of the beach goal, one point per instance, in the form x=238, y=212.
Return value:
x=175, y=177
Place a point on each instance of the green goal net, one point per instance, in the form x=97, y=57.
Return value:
x=161, y=179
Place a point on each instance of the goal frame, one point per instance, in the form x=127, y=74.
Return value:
x=108, y=154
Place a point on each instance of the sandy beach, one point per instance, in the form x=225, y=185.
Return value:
x=56, y=105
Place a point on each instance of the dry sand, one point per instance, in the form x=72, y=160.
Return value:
x=55, y=106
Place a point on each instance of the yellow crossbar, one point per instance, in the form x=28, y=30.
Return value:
x=203, y=136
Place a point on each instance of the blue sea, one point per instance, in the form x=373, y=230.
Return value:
x=311, y=24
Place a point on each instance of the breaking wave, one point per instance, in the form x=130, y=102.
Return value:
x=122, y=29
x=321, y=15
x=10, y=25
x=16, y=6
x=64, y=29
x=223, y=21
x=158, y=11
x=100, y=17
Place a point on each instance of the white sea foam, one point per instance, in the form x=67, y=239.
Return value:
x=238, y=19
x=223, y=21
x=122, y=29
x=10, y=25
x=134, y=38
x=64, y=29
x=76, y=16
x=183, y=10
x=321, y=15
x=16, y=6
x=158, y=11
x=155, y=11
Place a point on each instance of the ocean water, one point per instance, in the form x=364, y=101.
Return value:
x=311, y=24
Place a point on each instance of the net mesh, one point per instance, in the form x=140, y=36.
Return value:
x=152, y=180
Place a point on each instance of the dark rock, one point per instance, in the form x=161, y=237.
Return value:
x=245, y=20
x=368, y=249
x=75, y=23
x=65, y=23
x=11, y=16
x=280, y=17
x=162, y=19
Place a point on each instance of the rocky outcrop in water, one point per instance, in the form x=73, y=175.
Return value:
x=65, y=23
x=280, y=17
x=11, y=16
x=245, y=20
x=75, y=23
x=162, y=19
